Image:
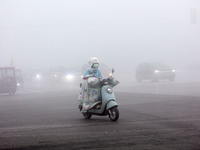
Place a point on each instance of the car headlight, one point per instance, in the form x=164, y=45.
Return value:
x=18, y=84
x=69, y=77
x=38, y=76
x=156, y=71
x=173, y=70
x=109, y=90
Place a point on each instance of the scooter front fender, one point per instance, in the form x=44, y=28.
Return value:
x=111, y=104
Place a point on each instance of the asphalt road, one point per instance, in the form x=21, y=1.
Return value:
x=153, y=116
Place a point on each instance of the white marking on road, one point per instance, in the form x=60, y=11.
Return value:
x=91, y=124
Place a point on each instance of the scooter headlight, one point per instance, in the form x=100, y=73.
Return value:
x=109, y=90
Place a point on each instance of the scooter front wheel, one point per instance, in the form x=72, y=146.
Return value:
x=87, y=115
x=113, y=113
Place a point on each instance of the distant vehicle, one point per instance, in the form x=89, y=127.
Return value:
x=57, y=73
x=154, y=72
x=60, y=73
x=36, y=75
x=19, y=77
x=8, y=82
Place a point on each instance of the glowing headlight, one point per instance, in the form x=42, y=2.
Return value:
x=109, y=90
x=156, y=71
x=69, y=77
x=38, y=76
x=18, y=84
x=173, y=70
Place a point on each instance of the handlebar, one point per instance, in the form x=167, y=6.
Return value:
x=106, y=81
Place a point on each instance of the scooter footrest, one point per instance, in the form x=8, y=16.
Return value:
x=98, y=106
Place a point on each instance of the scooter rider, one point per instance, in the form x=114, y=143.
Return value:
x=90, y=89
x=97, y=97
x=94, y=64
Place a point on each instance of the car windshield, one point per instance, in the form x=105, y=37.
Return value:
x=160, y=66
x=9, y=72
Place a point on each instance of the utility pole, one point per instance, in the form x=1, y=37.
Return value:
x=193, y=16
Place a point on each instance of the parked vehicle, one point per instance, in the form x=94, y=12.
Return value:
x=8, y=82
x=154, y=72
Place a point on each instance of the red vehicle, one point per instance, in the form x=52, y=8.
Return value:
x=8, y=82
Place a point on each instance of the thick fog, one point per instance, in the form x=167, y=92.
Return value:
x=122, y=34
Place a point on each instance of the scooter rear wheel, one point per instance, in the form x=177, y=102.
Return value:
x=87, y=115
x=113, y=113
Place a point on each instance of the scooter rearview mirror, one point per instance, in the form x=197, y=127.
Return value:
x=113, y=70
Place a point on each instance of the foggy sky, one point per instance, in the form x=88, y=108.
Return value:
x=121, y=33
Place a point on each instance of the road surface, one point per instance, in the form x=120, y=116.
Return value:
x=153, y=116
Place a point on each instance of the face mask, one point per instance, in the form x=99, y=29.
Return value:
x=95, y=65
